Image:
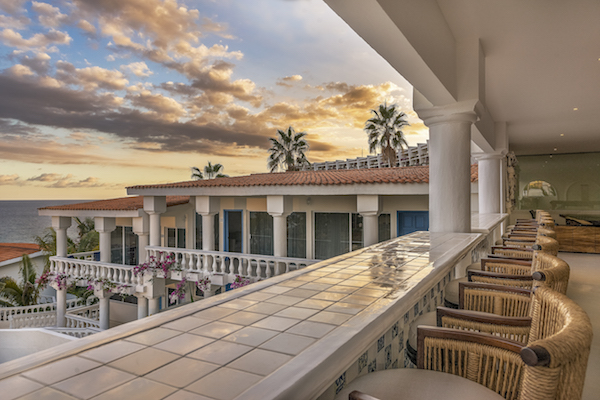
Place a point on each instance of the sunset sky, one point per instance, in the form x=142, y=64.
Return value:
x=97, y=95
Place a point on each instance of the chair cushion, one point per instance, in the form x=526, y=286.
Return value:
x=451, y=290
x=476, y=266
x=412, y=383
x=429, y=319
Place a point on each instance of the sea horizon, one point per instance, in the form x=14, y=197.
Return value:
x=20, y=222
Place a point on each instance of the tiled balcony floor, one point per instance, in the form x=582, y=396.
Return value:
x=584, y=289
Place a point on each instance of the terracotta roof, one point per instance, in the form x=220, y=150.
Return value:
x=120, y=204
x=418, y=174
x=8, y=251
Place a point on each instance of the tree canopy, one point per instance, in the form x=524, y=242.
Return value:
x=288, y=151
x=210, y=171
x=385, y=132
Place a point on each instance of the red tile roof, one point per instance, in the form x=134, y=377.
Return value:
x=8, y=251
x=120, y=204
x=418, y=174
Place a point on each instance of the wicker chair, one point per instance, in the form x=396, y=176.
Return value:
x=551, y=366
x=542, y=243
x=551, y=271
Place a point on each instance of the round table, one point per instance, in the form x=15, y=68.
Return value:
x=417, y=384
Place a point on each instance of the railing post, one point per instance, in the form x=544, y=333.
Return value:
x=142, y=306
x=61, y=306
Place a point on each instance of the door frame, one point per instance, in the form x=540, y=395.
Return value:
x=226, y=228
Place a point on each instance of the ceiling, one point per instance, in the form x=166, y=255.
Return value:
x=542, y=61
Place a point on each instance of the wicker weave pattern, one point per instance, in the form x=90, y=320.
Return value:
x=495, y=302
x=556, y=271
x=562, y=328
x=498, y=369
x=501, y=267
x=513, y=253
x=516, y=333
x=505, y=282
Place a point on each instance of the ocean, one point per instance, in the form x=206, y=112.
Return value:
x=20, y=222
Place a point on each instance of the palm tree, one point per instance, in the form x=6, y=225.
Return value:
x=24, y=293
x=385, y=131
x=89, y=238
x=210, y=172
x=288, y=153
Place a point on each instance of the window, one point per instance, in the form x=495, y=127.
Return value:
x=123, y=246
x=384, y=222
x=357, y=231
x=199, y=232
x=261, y=233
x=175, y=237
x=332, y=234
x=296, y=235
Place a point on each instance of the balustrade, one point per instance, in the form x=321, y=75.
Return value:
x=84, y=269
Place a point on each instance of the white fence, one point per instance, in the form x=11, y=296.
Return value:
x=6, y=312
x=75, y=332
x=412, y=156
x=209, y=263
x=87, y=255
x=79, y=317
x=83, y=269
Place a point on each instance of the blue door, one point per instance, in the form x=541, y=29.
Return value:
x=412, y=221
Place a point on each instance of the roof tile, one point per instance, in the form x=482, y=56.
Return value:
x=8, y=251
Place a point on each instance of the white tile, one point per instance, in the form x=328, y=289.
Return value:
x=214, y=313
x=182, y=372
x=61, y=369
x=216, y=329
x=138, y=389
x=330, y=317
x=250, y=336
x=243, y=318
x=94, y=382
x=17, y=386
x=276, y=323
x=112, y=351
x=259, y=361
x=153, y=336
x=220, y=352
x=144, y=361
x=224, y=383
x=186, y=323
x=288, y=343
x=184, y=344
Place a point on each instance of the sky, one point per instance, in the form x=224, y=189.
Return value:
x=98, y=95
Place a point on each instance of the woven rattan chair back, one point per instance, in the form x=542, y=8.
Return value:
x=494, y=299
x=558, y=349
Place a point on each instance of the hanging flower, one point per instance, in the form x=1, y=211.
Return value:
x=155, y=264
x=239, y=282
x=179, y=293
x=61, y=280
x=204, y=285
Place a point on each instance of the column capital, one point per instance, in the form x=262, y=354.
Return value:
x=497, y=155
x=279, y=206
x=368, y=205
x=61, y=222
x=105, y=224
x=207, y=205
x=463, y=111
x=155, y=204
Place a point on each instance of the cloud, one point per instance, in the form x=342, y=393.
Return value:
x=10, y=179
x=288, y=80
x=91, y=78
x=163, y=106
x=18, y=22
x=138, y=69
x=7, y=127
x=44, y=178
x=40, y=62
x=49, y=16
x=38, y=41
x=87, y=27
x=12, y=6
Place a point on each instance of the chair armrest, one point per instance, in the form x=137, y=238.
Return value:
x=482, y=317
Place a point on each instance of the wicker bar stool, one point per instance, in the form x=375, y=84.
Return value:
x=551, y=366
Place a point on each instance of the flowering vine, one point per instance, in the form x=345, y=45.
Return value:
x=239, y=282
x=156, y=264
x=179, y=292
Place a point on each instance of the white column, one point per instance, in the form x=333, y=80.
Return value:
x=449, y=165
x=154, y=206
x=61, y=307
x=208, y=231
x=489, y=171
x=60, y=225
x=142, y=306
x=105, y=312
x=279, y=207
x=207, y=207
x=141, y=227
x=280, y=235
x=153, y=305
x=104, y=226
x=369, y=207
